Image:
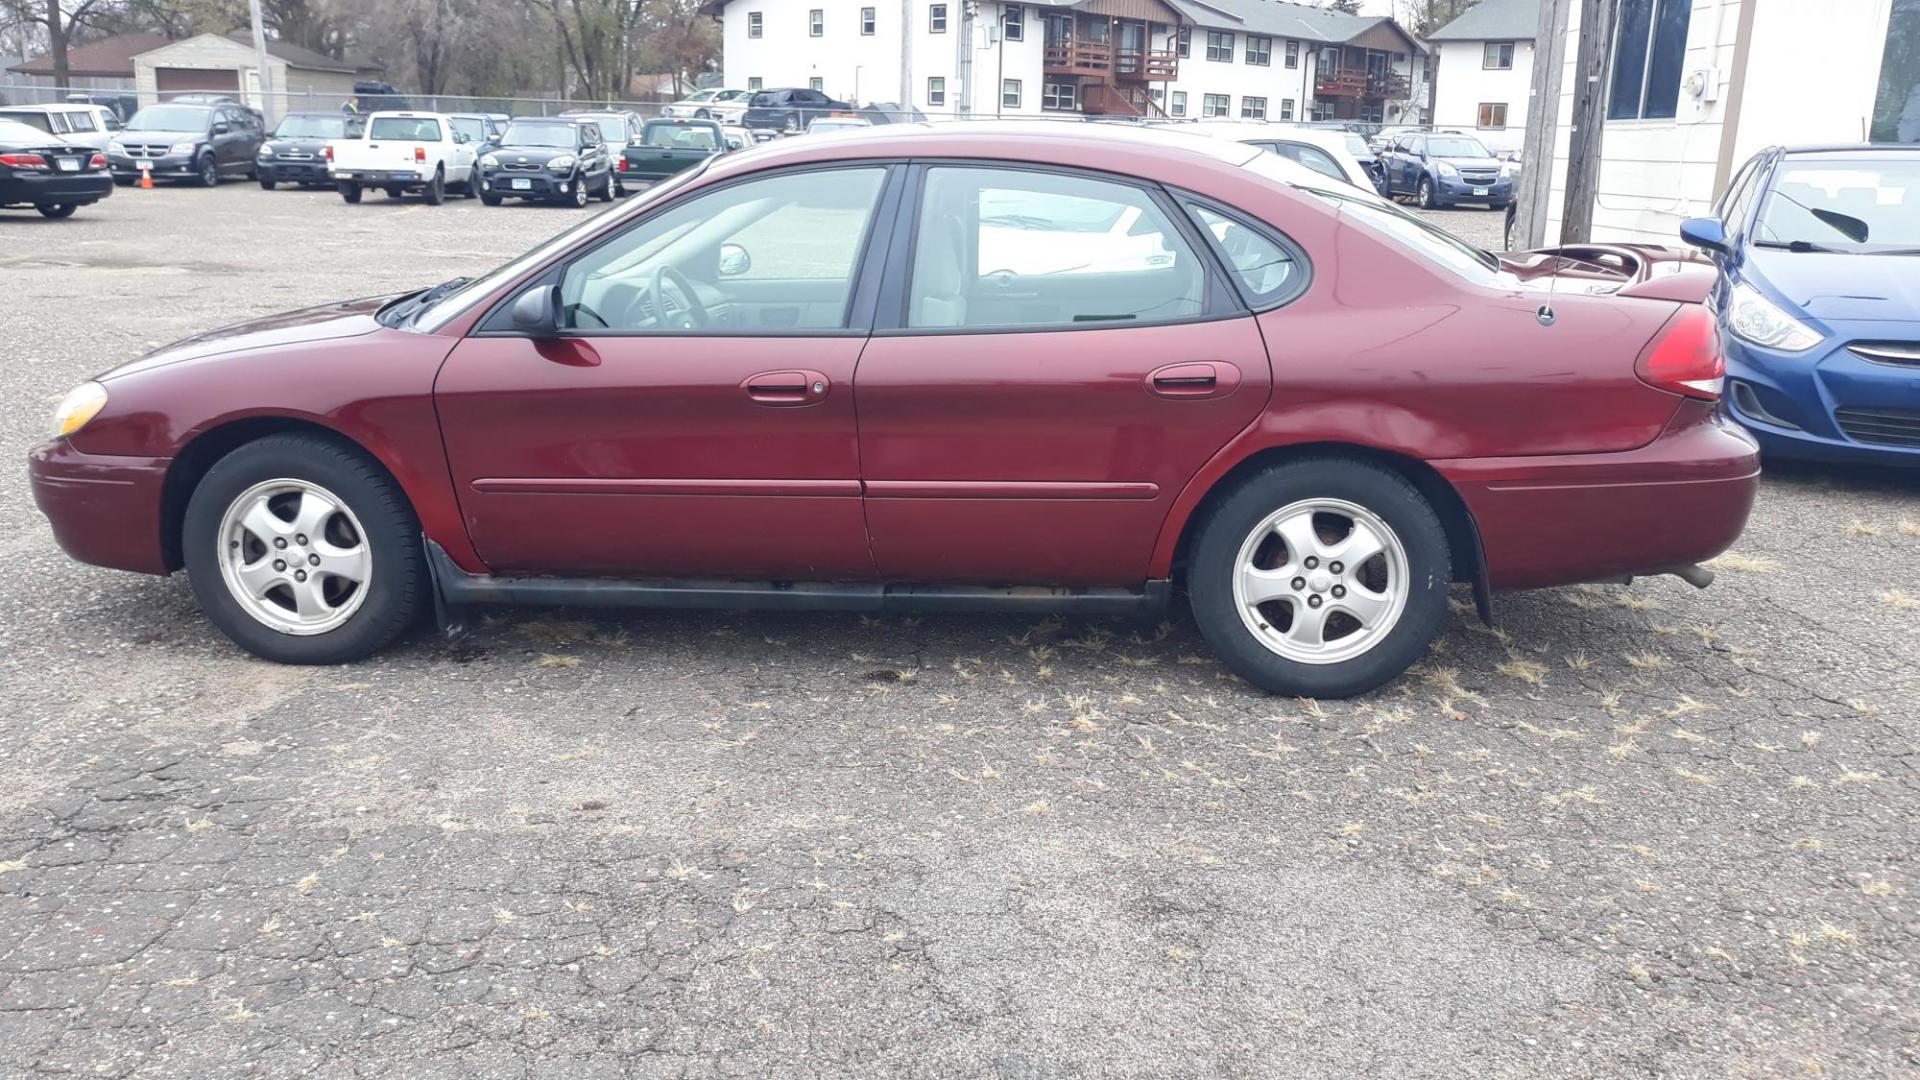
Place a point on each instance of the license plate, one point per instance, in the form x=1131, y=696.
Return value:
x=1479, y=191
x=522, y=185
x=144, y=165
x=68, y=164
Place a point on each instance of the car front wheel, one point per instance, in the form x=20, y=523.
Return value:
x=209, y=172
x=1324, y=577
x=304, y=551
x=1425, y=194
x=579, y=195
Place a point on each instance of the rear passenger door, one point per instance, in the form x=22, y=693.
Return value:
x=1054, y=358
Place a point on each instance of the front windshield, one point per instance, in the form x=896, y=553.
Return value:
x=679, y=137
x=1860, y=205
x=1455, y=146
x=1357, y=146
x=730, y=95
x=170, y=118
x=474, y=128
x=550, y=134
x=312, y=126
x=700, y=95
x=477, y=290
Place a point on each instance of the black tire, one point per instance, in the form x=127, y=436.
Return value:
x=1241, y=509
x=619, y=189
x=398, y=590
x=606, y=188
x=123, y=181
x=350, y=191
x=1506, y=231
x=266, y=185
x=489, y=198
x=436, y=190
x=577, y=198
x=209, y=174
x=1423, y=195
x=393, y=193
x=701, y=114
x=57, y=210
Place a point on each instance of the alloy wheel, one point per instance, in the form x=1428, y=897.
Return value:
x=294, y=557
x=1321, y=581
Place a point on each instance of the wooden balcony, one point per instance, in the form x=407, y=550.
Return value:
x=1106, y=99
x=1360, y=84
x=1078, y=58
x=1147, y=65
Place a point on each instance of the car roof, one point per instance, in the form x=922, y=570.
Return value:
x=1849, y=150
x=1031, y=140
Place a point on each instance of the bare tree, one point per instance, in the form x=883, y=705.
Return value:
x=595, y=43
x=1423, y=17
x=58, y=22
x=677, y=39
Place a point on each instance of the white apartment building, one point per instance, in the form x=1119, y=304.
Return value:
x=1483, y=71
x=1245, y=59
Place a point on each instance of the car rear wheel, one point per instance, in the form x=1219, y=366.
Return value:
x=606, y=188
x=209, y=175
x=1325, y=577
x=57, y=210
x=349, y=191
x=303, y=551
x=436, y=190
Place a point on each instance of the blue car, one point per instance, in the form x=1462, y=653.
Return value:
x=1442, y=169
x=1819, y=300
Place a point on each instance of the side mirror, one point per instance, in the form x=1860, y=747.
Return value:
x=537, y=311
x=734, y=260
x=1705, y=233
x=222, y=128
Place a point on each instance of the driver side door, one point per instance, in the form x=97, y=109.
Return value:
x=693, y=414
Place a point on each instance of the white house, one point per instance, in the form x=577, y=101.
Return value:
x=1699, y=86
x=1483, y=71
x=1252, y=59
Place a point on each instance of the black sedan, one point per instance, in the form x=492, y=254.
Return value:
x=296, y=151
x=549, y=159
x=54, y=178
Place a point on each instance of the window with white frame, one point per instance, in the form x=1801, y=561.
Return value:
x=1009, y=93
x=866, y=22
x=1493, y=115
x=816, y=22
x=1498, y=56
x=1178, y=106
x=1215, y=104
x=1373, y=112
x=816, y=83
x=753, y=84
x=755, y=23
x=1013, y=23
x=1286, y=108
x=1184, y=43
x=1259, y=50
x=1058, y=97
x=1649, y=50
x=1220, y=45
x=1293, y=54
x=937, y=19
x=936, y=92
x=1322, y=110
x=1253, y=108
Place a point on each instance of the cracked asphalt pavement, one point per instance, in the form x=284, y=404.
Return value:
x=1635, y=831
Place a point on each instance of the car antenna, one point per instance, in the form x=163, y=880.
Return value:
x=1544, y=313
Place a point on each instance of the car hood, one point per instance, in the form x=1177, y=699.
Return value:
x=349, y=318
x=1842, y=288
x=155, y=135
x=299, y=142
x=1471, y=162
x=531, y=155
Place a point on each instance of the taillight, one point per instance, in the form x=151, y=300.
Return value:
x=1686, y=357
x=327, y=151
x=419, y=153
x=623, y=164
x=23, y=161
x=98, y=161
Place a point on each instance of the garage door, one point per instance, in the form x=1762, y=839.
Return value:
x=180, y=80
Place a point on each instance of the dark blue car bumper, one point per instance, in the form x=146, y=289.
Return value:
x=1828, y=403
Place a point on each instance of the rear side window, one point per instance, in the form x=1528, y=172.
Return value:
x=1313, y=158
x=1265, y=269
x=79, y=121
x=33, y=119
x=1009, y=247
x=417, y=128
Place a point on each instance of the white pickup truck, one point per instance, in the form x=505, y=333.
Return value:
x=401, y=152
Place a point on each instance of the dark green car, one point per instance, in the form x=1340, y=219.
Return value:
x=666, y=147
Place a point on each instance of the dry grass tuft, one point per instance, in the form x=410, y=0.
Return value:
x=1692, y=777
x=1871, y=887
x=1809, y=739
x=1038, y=806
x=556, y=660
x=1647, y=661
x=1743, y=564
x=1622, y=749
x=1909, y=528
x=1894, y=598
x=1856, y=527
x=1585, y=794
x=1531, y=672
x=1802, y=783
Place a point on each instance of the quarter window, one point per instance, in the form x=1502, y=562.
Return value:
x=1497, y=56
x=1265, y=270
x=1648, y=52
x=795, y=237
x=755, y=24
x=1005, y=247
x=1220, y=45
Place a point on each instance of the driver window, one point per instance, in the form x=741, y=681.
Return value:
x=772, y=254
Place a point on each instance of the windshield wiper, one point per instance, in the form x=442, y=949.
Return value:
x=1800, y=246
x=406, y=310
x=1894, y=251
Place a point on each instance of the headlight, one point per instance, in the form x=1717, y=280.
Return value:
x=266, y=151
x=116, y=148
x=491, y=161
x=1447, y=170
x=564, y=161
x=78, y=407
x=1757, y=319
x=181, y=148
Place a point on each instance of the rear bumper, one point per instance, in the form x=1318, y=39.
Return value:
x=1561, y=519
x=104, y=510
x=55, y=189
x=395, y=178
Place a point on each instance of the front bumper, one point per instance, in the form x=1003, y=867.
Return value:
x=173, y=166
x=51, y=189
x=1454, y=189
x=1565, y=518
x=282, y=171
x=539, y=185
x=1827, y=403
x=104, y=510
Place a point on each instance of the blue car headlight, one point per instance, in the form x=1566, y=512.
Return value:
x=1752, y=317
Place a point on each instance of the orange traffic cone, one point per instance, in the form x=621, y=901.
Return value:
x=146, y=179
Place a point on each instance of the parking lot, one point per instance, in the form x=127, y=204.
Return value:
x=1633, y=831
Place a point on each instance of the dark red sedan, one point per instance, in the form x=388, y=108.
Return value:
x=972, y=366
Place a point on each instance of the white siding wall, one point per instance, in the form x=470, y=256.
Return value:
x=1238, y=79
x=1464, y=85
x=1811, y=74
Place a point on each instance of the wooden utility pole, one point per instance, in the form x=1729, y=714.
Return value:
x=1593, y=72
x=1543, y=126
x=260, y=61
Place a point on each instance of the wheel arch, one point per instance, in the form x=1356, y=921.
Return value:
x=201, y=452
x=1463, y=533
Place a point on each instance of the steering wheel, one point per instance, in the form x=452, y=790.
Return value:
x=689, y=313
